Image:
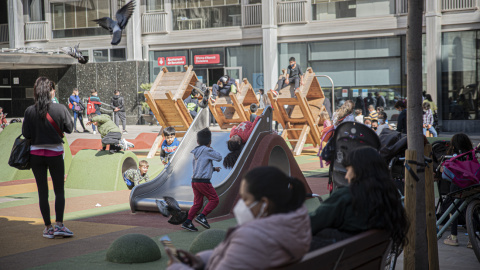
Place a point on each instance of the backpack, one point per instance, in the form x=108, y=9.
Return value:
x=90, y=107
x=462, y=173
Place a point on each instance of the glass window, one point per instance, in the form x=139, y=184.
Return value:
x=460, y=75
x=36, y=10
x=250, y=60
x=198, y=14
x=177, y=66
x=296, y=50
x=155, y=5
x=117, y=55
x=75, y=18
x=329, y=10
x=100, y=55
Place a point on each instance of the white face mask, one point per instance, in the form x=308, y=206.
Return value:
x=381, y=122
x=243, y=214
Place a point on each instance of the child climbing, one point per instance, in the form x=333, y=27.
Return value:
x=110, y=133
x=169, y=145
x=133, y=177
x=203, y=157
x=238, y=137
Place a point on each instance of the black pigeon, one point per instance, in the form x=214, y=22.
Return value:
x=116, y=27
x=75, y=53
x=178, y=216
x=204, y=91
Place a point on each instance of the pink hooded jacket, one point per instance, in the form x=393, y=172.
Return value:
x=263, y=243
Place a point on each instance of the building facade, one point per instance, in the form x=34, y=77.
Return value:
x=359, y=44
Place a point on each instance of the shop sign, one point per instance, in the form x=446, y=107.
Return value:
x=176, y=61
x=161, y=61
x=207, y=59
x=354, y=92
x=344, y=92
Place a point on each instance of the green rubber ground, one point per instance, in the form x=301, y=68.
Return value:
x=98, y=170
x=7, y=138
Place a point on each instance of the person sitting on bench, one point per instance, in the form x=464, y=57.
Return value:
x=273, y=227
x=224, y=86
x=294, y=75
x=371, y=201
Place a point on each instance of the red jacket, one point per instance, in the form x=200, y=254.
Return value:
x=244, y=129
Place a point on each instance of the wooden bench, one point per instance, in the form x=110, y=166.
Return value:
x=367, y=250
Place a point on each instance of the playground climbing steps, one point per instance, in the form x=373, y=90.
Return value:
x=234, y=109
x=165, y=99
x=299, y=111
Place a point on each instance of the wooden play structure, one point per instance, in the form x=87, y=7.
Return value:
x=299, y=111
x=236, y=106
x=165, y=99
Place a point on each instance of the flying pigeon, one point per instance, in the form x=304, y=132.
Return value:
x=75, y=53
x=116, y=27
x=169, y=206
x=204, y=91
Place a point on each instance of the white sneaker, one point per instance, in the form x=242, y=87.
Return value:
x=129, y=144
x=123, y=144
x=94, y=132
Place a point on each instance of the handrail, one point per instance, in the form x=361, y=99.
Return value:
x=251, y=15
x=291, y=12
x=333, y=89
x=154, y=22
x=36, y=31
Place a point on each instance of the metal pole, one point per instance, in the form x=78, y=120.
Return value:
x=333, y=90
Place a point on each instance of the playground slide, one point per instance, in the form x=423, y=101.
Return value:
x=263, y=148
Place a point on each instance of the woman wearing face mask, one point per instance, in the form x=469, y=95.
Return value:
x=371, y=201
x=273, y=226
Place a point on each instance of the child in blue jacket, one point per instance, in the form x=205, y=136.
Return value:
x=169, y=145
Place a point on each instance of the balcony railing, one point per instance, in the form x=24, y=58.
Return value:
x=4, y=33
x=448, y=5
x=402, y=7
x=252, y=15
x=291, y=12
x=36, y=31
x=155, y=22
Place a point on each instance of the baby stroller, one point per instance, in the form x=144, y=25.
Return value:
x=392, y=150
x=348, y=136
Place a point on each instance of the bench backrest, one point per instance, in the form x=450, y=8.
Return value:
x=366, y=250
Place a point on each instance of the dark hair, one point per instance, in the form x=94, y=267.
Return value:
x=41, y=93
x=374, y=121
x=253, y=107
x=169, y=131
x=204, y=136
x=235, y=149
x=428, y=97
x=460, y=143
x=93, y=90
x=380, y=108
x=115, y=92
x=400, y=105
x=261, y=91
x=382, y=115
x=285, y=193
x=291, y=59
x=426, y=106
x=373, y=189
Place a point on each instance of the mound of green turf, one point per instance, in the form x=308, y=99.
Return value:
x=206, y=240
x=133, y=248
x=7, y=138
x=100, y=170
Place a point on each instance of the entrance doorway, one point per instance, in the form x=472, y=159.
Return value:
x=213, y=75
x=210, y=76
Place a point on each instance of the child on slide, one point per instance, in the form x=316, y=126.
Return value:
x=169, y=145
x=238, y=137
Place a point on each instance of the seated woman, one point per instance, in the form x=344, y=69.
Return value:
x=273, y=226
x=371, y=201
x=238, y=137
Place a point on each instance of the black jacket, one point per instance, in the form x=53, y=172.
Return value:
x=117, y=101
x=402, y=122
x=41, y=131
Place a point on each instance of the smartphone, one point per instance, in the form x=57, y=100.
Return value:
x=166, y=242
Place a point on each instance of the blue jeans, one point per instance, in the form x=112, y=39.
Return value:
x=80, y=119
x=432, y=130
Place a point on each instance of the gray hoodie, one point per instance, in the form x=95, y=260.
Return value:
x=202, y=163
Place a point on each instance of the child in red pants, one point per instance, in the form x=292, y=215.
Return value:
x=203, y=169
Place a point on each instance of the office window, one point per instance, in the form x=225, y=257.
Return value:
x=36, y=10
x=250, y=60
x=75, y=18
x=155, y=5
x=117, y=55
x=198, y=14
x=100, y=55
x=337, y=9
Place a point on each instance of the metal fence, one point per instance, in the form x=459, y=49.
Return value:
x=155, y=22
x=36, y=31
x=291, y=12
x=252, y=15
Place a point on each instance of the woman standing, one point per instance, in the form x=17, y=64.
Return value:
x=46, y=152
x=77, y=110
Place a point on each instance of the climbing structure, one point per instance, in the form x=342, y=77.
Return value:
x=165, y=99
x=299, y=112
x=234, y=109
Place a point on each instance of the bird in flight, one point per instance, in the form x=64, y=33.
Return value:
x=75, y=53
x=117, y=26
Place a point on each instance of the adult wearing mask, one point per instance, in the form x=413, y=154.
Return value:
x=46, y=152
x=118, y=106
x=382, y=118
x=273, y=226
x=402, y=117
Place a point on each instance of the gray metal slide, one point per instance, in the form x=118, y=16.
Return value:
x=175, y=179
